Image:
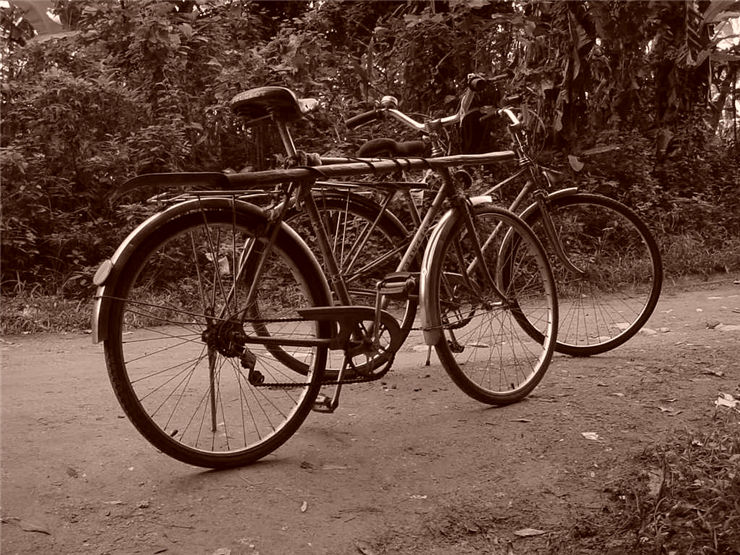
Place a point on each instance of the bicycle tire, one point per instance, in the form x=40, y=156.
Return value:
x=623, y=265
x=185, y=390
x=482, y=347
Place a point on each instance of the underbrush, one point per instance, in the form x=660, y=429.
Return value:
x=682, y=496
x=690, y=254
x=27, y=313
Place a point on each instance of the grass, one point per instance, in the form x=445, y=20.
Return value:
x=690, y=254
x=26, y=313
x=682, y=497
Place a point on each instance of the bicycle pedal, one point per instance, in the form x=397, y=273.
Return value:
x=398, y=285
x=323, y=403
x=455, y=347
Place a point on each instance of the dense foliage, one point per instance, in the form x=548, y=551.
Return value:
x=143, y=86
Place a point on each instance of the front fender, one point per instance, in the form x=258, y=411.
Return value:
x=431, y=323
x=527, y=212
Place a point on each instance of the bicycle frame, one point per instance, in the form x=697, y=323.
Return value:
x=532, y=186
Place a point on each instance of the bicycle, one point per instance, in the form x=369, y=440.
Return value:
x=216, y=318
x=606, y=262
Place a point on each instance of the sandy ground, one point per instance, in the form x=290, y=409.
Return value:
x=409, y=465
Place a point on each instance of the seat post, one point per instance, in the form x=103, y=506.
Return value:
x=285, y=137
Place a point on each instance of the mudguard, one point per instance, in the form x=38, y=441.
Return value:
x=109, y=272
x=431, y=324
x=525, y=214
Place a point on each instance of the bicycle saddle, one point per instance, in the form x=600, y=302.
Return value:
x=278, y=102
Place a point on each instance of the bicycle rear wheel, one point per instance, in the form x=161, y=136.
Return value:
x=623, y=274
x=176, y=321
x=482, y=347
x=368, y=244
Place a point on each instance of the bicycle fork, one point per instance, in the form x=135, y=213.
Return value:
x=541, y=199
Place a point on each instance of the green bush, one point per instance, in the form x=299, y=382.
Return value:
x=144, y=87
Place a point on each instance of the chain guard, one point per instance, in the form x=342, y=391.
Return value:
x=349, y=335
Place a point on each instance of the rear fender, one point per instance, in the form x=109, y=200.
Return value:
x=108, y=275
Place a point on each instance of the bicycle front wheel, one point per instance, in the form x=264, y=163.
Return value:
x=179, y=320
x=482, y=347
x=618, y=289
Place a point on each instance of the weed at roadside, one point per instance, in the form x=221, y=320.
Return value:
x=24, y=314
x=682, y=496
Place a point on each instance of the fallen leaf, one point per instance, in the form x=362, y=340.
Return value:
x=334, y=467
x=30, y=526
x=527, y=532
x=364, y=548
x=575, y=163
x=727, y=400
x=655, y=482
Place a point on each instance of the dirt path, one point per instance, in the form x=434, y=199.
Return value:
x=407, y=466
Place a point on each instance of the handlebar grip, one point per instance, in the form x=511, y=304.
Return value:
x=477, y=84
x=362, y=119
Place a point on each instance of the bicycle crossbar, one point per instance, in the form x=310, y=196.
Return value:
x=357, y=166
x=365, y=166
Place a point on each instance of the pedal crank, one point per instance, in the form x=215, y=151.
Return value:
x=369, y=338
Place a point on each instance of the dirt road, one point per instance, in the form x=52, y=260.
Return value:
x=409, y=465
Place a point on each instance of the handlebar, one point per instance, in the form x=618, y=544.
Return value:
x=388, y=105
x=364, y=118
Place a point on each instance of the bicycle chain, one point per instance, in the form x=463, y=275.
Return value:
x=284, y=385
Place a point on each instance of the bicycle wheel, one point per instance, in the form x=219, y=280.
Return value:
x=482, y=347
x=623, y=274
x=368, y=244
x=176, y=334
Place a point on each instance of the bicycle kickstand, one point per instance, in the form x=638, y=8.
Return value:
x=324, y=403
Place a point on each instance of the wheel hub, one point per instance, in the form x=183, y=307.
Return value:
x=227, y=337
